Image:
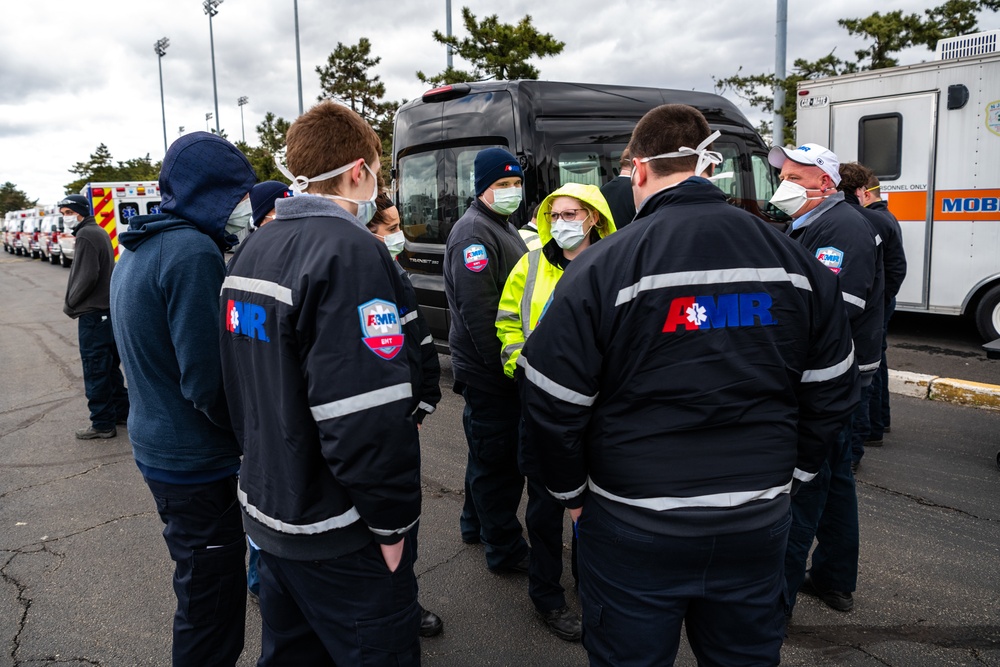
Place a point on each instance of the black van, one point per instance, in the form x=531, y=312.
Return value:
x=561, y=133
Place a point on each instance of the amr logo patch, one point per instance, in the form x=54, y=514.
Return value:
x=381, y=331
x=246, y=319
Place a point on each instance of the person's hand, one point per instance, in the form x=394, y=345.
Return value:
x=392, y=554
x=574, y=514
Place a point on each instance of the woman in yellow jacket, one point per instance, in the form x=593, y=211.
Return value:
x=569, y=220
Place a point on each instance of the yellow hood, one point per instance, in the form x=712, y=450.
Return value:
x=591, y=194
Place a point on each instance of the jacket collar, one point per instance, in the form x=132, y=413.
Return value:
x=818, y=212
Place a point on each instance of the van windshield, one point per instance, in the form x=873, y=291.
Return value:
x=436, y=187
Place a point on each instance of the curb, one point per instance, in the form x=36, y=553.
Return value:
x=949, y=390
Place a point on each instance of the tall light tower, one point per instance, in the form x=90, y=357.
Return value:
x=242, y=102
x=298, y=57
x=161, y=50
x=447, y=10
x=211, y=8
x=780, y=42
x=208, y=117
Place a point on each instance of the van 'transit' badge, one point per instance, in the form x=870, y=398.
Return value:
x=382, y=332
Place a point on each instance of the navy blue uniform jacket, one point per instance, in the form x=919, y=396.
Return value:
x=688, y=369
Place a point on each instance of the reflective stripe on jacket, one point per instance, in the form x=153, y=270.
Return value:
x=529, y=288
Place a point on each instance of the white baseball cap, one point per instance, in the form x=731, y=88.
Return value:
x=810, y=154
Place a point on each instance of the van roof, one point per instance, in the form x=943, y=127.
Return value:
x=556, y=98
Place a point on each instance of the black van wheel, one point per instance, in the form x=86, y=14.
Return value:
x=988, y=314
x=64, y=261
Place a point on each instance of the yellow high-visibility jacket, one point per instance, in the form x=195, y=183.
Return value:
x=530, y=284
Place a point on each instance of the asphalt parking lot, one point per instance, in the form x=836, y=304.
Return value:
x=85, y=577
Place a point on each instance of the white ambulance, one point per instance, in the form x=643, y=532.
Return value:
x=113, y=205
x=931, y=132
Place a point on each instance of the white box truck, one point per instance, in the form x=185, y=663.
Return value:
x=931, y=132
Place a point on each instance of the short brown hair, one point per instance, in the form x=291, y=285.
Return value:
x=625, y=162
x=853, y=175
x=873, y=185
x=326, y=137
x=664, y=130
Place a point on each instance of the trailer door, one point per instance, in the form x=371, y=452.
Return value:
x=895, y=136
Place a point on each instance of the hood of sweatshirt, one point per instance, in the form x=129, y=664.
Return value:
x=202, y=180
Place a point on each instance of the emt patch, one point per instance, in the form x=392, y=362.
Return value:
x=831, y=257
x=475, y=257
x=380, y=326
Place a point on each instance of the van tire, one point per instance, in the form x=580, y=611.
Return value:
x=64, y=261
x=53, y=259
x=988, y=314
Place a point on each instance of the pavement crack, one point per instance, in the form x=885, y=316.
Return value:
x=23, y=602
x=119, y=455
x=925, y=502
x=446, y=561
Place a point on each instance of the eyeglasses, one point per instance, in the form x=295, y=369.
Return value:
x=567, y=215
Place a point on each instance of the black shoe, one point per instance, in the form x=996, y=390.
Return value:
x=854, y=466
x=471, y=539
x=873, y=443
x=431, y=624
x=839, y=600
x=122, y=421
x=520, y=567
x=887, y=429
x=564, y=624
x=91, y=433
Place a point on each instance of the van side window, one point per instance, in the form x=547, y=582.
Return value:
x=880, y=144
x=765, y=179
x=582, y=167
x=730, y=183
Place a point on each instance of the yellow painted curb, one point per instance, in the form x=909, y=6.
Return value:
x=963, y=392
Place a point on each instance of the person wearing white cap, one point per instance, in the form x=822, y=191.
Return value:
x=826, y=508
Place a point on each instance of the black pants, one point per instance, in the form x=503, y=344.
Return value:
x=496, y=484
x=204, y=534
x=342, y=611
x=102, y=377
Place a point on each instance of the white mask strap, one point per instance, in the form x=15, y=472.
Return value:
x=705, y=157
x=301, y=183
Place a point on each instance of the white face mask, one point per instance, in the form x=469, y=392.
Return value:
x=506, y=200
x=366, y=207
x=394, y=242
x=569, y=234
x=791, y=197
x=239, y=219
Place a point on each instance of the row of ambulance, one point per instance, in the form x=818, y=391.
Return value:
x=42, y=233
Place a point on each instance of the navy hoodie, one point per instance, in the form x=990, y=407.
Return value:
x=165, y=313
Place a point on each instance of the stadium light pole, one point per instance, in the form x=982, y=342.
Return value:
x=242, y=102
x=298, y=56
x=211, y=8
x=448, y=26
x=780, y=41
x=161, y=50
x=208, y=117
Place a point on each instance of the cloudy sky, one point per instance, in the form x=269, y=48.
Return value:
x=76, y=74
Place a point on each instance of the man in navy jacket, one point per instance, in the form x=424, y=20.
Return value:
x=318, y=378
x=691, y=371
x=165, y=312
